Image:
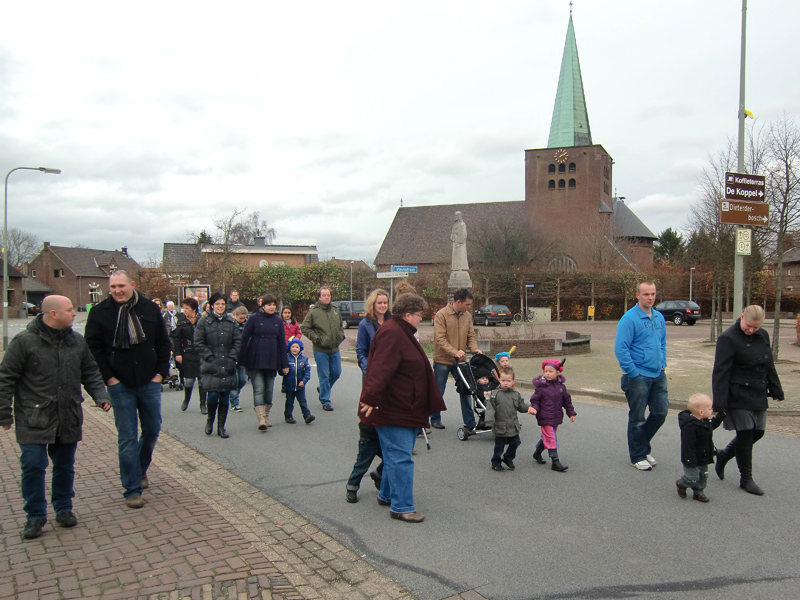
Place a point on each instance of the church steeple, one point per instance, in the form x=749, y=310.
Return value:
x=570, y=124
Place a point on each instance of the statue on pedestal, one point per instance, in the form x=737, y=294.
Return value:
x=459, y=268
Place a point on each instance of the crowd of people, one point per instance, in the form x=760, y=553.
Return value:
x=130, y=341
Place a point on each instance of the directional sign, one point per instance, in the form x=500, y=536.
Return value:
x=744, y=239
x=390, y=275
x=740, y=186
x=735, y=212
x=403, y=269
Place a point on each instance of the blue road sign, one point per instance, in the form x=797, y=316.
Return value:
x=403, y=269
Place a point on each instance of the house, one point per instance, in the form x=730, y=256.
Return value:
x=80, y=274
x=16, y=293
x=188, y=260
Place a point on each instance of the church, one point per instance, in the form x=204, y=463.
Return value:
x=571, y=176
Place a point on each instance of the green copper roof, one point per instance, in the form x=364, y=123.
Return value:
x=570, y=124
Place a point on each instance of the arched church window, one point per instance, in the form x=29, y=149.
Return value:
x=551, y=169
x=561, y=184
x=563, y=263
x=571, y=183
x=551, y=185
x=562, y=168
x=572, y=167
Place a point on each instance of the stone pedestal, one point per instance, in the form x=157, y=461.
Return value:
x=458, y=280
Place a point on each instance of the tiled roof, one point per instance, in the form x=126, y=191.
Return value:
x=31, y=284
x=627, y=224
x=180, y=258
x=86, y=262
x=343, y=262
x=12, y=271
x=421, y=234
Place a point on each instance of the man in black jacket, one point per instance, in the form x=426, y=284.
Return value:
x=129, y=341
x=43, y=370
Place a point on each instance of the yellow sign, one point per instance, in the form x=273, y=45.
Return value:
x=591, y=311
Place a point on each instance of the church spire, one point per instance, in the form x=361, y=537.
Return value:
x=570, y=123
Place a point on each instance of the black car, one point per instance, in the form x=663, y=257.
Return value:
x=492, y=314
x=31, y=309
x=351, y=315
x=680, y=311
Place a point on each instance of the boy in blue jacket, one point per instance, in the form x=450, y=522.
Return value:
x=294, y=382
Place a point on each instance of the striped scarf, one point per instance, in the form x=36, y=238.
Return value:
x=129, y=330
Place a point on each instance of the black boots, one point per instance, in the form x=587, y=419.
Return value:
x=723, y=456
x=557, y=466
x=203, y=408
x=744, y=457
x=223, y=416
x=537, y=456
x=187, y=395
x=212, y=413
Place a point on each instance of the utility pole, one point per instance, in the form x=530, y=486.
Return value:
x=738, y=265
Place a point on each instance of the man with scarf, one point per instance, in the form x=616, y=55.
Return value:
x=127, y=337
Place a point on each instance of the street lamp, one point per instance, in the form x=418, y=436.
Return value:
x=351, y=286
x=691, y=273
x=5, y=246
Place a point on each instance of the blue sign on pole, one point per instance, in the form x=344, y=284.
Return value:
x=403, y=269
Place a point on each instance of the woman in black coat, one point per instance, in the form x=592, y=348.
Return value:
x=744, y=375
x=186, y=355
x=263, y=354
x=218, y=340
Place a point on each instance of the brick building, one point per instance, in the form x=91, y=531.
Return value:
x=77, y=272
x=571, y=178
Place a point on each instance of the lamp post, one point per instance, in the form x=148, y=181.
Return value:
x=5, y=246
x=351, y=286
x=691, y=274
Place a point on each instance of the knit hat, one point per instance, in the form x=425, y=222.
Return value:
x=481, y=372
x=500, y=355
x=293, y=340
x=558, y=365
x=214, y=297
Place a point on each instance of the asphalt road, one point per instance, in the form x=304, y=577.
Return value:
x=601, y=530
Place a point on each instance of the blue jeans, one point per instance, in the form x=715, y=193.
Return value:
x=500, y=443
x=33, y=461
x=329, y=368
x=397, y=483
x=300, y=395
x=695, y=478
x=441, y=372
x=263, y=381
x=644, y=392
x=216, y=398
x=234, y=395
x=133, y=405
x=368, y=449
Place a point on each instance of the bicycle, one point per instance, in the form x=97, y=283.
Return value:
x=530, y=317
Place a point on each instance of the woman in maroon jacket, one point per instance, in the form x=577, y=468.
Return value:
x=290, y=325
x=399, y=393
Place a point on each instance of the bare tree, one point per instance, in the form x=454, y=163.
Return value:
x=21, y=246
x=783, y=194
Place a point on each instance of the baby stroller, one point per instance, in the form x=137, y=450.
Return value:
x=466, y=383
x=173, y=380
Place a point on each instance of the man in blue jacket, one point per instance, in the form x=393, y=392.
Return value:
x=641, y=349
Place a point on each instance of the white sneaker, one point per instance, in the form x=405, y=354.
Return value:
x=651, y=459
x=642, y=465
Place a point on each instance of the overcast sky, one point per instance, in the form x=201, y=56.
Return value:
x=324, y=115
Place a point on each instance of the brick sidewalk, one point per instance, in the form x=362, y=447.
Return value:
x=203, y=534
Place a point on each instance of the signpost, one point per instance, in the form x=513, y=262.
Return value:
x=737, y=212
x=741, y=186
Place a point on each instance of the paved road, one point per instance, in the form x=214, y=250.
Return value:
x=602, y=530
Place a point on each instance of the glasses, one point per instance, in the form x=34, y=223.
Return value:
x=418, y=315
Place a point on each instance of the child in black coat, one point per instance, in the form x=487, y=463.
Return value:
x=697, y=445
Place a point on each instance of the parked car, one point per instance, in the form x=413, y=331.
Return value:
x=351, y=315
x=31, y=309
x=492, y=314
x=680, y=311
